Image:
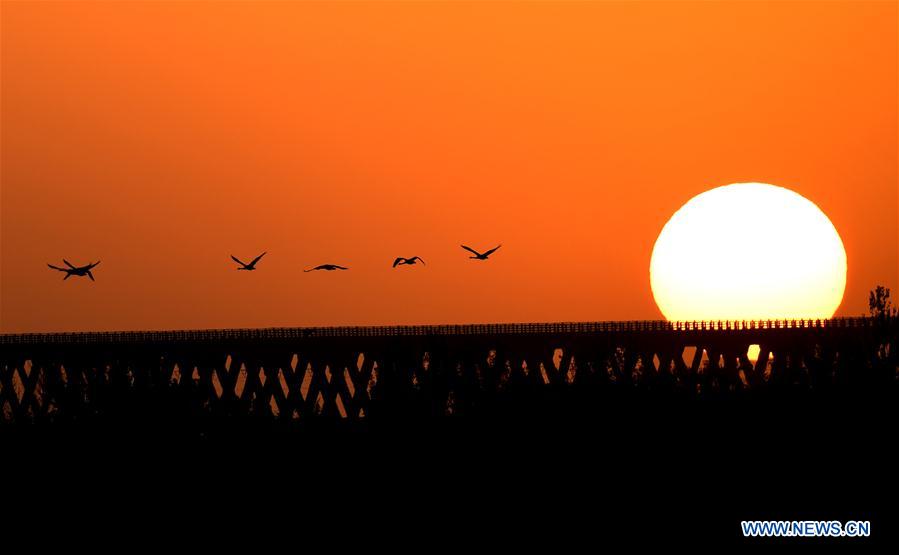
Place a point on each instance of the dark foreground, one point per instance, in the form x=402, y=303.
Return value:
x=627, y=465
x=551, y=437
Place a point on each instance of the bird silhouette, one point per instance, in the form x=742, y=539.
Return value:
x=480, y=256
x=249, y=267
x=76, y=270
x=327, y=268
x=400, y=261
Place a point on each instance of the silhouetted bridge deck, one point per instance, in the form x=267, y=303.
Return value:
x=355, y=372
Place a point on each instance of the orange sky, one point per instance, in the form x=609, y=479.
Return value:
x=162, y=137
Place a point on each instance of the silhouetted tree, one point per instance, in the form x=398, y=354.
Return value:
x=879, y=303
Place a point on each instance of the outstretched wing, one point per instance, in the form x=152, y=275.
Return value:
x=397, y=261
x=57, y=268
x=419, y=259
x=491, y=251
x=69, y=264
x=90, y=275
x=94, y=265
x=471, y=250
x=257, y=259
x=234, y=258
x=340, y=267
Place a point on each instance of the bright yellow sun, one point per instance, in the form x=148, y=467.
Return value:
x=748, y=251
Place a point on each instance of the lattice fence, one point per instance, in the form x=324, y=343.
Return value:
x=355, y=373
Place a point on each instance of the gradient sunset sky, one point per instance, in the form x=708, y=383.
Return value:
x=162, y=137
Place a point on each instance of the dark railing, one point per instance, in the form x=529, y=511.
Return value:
x=267, y=334
x=358, y=372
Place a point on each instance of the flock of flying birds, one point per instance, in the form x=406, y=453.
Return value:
x=82, y=271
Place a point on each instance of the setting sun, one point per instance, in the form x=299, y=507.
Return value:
x=748, y=251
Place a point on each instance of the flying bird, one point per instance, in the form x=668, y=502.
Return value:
x=327, y=268
x=76, y=270
x=400, y=261
x=480, y=256
x=250, y=266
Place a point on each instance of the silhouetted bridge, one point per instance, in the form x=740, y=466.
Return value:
x=356, y=372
